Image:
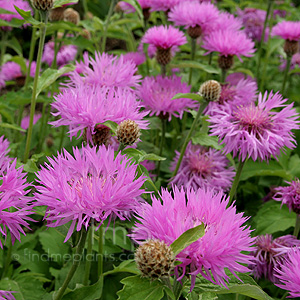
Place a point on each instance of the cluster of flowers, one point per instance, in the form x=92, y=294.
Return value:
x=94, y=183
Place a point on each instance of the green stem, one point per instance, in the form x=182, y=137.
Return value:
x=42, y=129
x=167, y=283
x=162, y=143
x=262, y=40
x=3, y=46
x=120, y=148
x=8, y=257
x=223, y=75
x=188, y=137
x=110, y=12
x=54, y=62
x=236, y=181
x=193, y=53
x=100, y=251
x=43, y=28
x=163, y=70
x=178, y=287
x=286, y=73
x=76, y=262
x=31, y=53
x=297, y=227
x=89, y=252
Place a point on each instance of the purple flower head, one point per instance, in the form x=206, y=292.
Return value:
x=86, y=106
x=150, y=166
x=289, y=195
x=269, y=253
x=164, y=37
x=65, y=55
x=105, y=70
x=204, y=168
x=256, y=131
x=192, y=14
x=288, y=273
x=225, y=236
x=229, y=21
x=253, y=20
x=25, y=120
x=10, y=71
x=90, y=185
x=157, y=93
x=164, y=5
x=228, y=43
x=12, y=195
x=137, y=58
x=287, y=30
x=7, y=295
x=295, y=62
x=126, y=7
x=10, y=6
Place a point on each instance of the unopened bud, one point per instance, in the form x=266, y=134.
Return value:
x=86, y=34
x=210, y=90
x=163, y=56
x=194, y=32
x=225, y=62
x=128, y=132
x=71, y=15
x=43, y=5
x=291, y=47
x=155, y=259
x=57, y=14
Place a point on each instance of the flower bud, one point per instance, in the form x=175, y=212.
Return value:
x=57, y=14
x=291, y=47
x=210, y=90
x=44, y=5
x=128, y=132
x=163, y=56
x=71, y=15
x=155, y=259
x=225, y=62
x=194, y=32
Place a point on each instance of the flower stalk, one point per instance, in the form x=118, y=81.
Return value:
x=286, y=73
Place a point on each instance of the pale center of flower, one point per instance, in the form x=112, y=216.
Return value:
x=201, y=165
x=252, y=119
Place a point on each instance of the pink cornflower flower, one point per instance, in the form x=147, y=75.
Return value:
x=228, y=21
x=150, y=166
x=253, y=20
x=12, y=195
x=256, y=131
x=10, y=6
x=105, y=71
x=89, y=185
x=287, y=30
x=85, y=106
x=126, y=7
x=164, y=39
x=269, y=253
x=10, y=71
x=288, y=273
x=197, y=18
x=65, y=55
x=228, y=43
x=157, y=93
x=7, y=295
x=289, y=195
x=203, y=167
x=221, y=247
x=25, y=120
x=295, y=62
x=137, y=58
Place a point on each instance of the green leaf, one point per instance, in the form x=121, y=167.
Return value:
x=133, y=153
x=12, y=126
x=137, y=288
x=26, y=15
x=244, y=70
x=50, y=75
x=15, y=45
x=203, y=296
x=187, y=238
x=204, y=139
x=151, y=156
x=127, y=266
x=6, y=12
x=188, y=96
x=273, y=217
x=91, y=292
x=21, y=62
x=112, y=125
x=195, y=65
x=273, y=168
x=59, y=3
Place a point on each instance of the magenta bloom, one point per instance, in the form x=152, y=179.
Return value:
x=10, y=71
x=12, y=195
x=225, y=237
x=253, y=20
x=204, y=168
x=7, y=295
x=86, y=106
x=157, y=93
x=25, y=120
x=90, y=184
x=228, y=43
x=229, y=21
x=164, y=5
x=164, y=37
x=270, y=253
x=105, y=70
x=192, y=14
x=256, y=131
x=288, y=273
x=137, y=58
x=128, y=8
x=295, y=62
x=65, y=55
x=289, y=195
x=287, y=30
x=10, y=6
